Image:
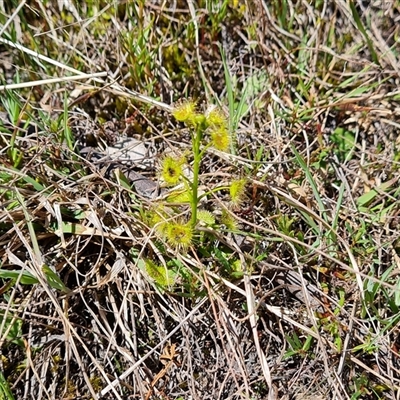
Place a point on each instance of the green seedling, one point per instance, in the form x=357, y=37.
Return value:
x=14, y=110
x=231, y=267
x=298, y=347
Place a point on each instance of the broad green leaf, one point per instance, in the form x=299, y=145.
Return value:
x=26, y=277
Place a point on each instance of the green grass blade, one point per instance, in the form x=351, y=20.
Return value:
x=26, y=277
x=312, y=183
x=5, y=391
x=360, y=26
x=231, y=100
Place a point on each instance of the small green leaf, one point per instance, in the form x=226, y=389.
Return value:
x=78, y=229
x=345, y=142
x=338, y=343
x=308, y=343
x=53, y=279
x=206, y=216
x=122, y=180
x=161, y=275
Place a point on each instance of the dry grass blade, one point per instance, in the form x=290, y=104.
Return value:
x=52, y=81
x=252, y=318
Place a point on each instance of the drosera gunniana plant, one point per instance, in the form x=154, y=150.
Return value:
x=167, y=218
x=207, y=129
